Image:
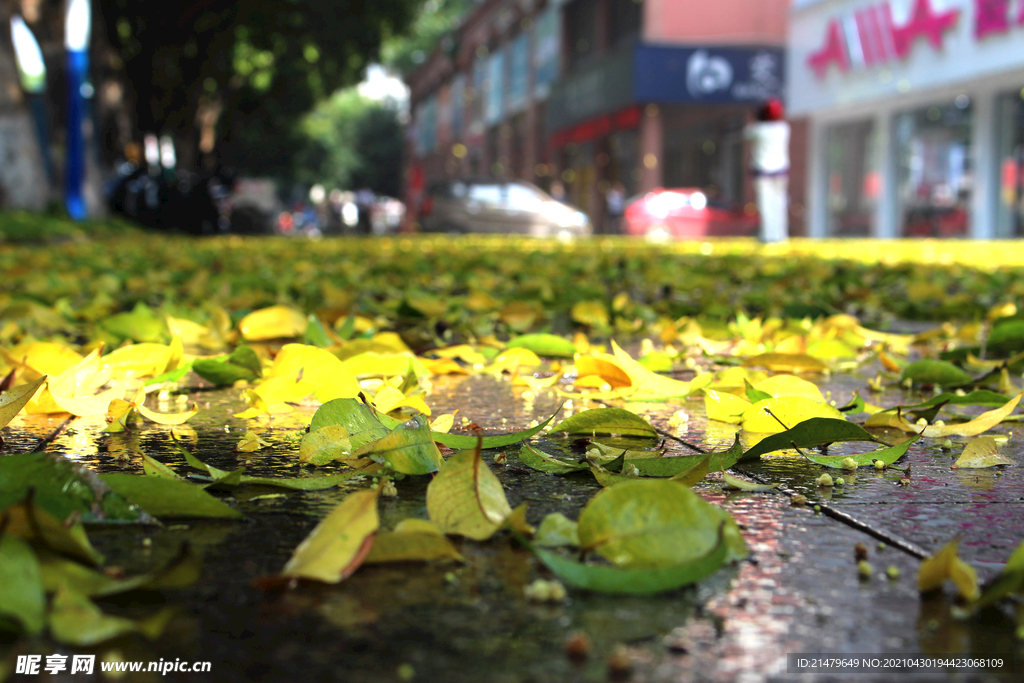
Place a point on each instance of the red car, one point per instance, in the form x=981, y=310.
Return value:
x=686, y=213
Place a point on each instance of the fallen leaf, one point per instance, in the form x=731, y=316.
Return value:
x=339, y=543
x=412, y=540
x=946, y=564
x=466, y=499
x=980, y=453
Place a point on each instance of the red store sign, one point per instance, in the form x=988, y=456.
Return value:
x=870, y=37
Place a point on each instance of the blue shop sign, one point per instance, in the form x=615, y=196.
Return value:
x=718, y=75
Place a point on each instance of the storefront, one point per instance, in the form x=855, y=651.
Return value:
x=917, y=116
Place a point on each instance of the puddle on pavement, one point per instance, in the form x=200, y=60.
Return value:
x=799, y=593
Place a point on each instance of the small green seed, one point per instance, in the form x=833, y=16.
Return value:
x=817, y=508
x=947, y=445
x=893, y=572
x=879, y=465
x=849, y=464
x=825, y=480
x=864, y=570
x=798, y=499
x=839, y=481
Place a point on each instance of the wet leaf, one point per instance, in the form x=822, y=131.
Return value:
x=275, y=322
x=30, y=522
x=152, y=467
x=22, y=599
x=339, y=543
x=786, y=362
x=547, y=345
x=817, y=431
x=537, y=459
x=412, y=540
x=982, y=423
x=324, y=445
x=557, y=530
x=650, y=523
x=650, y=386
x=240, y=364
x=755, y=395
x=314, y=371
x=980, y=453
x=408, y=449
x=251, y=442
x=789, y=385
x=724, y=407
x=183, y=570
x=361, y=423
x=162, y=497
x=700, y=470
x=928, y=371
x=11, y=402
x=887, y=455
x=732, y=482
x=75, y=620
x=774, y=415
x=636, y=581
x=606, y=421
x=62, y=488
x=947, y=565
x=168, y=418
x=139, y=360
x=466, y=499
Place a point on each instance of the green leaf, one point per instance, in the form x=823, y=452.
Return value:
x=856, y=405
x=168, y=498
x=175, y=375
x=22, y=598
x=152, y=467
x=76, y=620
x=537, y=459
x=465, y=498
x=547, y=345
x=606, y=421
x=316, y=333
x=941, y=372
x=886, y=455
x=461, y=441
x=240, y=364
x=651, y=523
x=637, y=581
x=678, y=465
x=817, y=431
x=32, y=523
x=12, y=401
x=413, y=540
x=557, y=530
x=755, y=395
x=732, y=482
x=63, y=488
x=324, y=445
x=183, y=570
x=339, y=543
x=408, y=449
x=359, y=420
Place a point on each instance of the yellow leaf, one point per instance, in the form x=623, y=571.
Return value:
x=13, y=400
x=118, y=413
x=593, y=313
x=608, y=371
x=443, y=423
x=443, y=366
x=466, y=499
x=412, y=540
x=982, y=423
x=339, y=543
x=724, y=407
x=328, y=376
x=191, y=333
x=980, y=453
x=374, y=364
x=463, y=352
x=649, y=385
x=275, y=322
x=786, y=362
x=140, y=360
x=250, y=442
x=790, y=410
x=516, y=357
x=168, y=418
x=41, y=358
x=325, y=445
x=790, y=385
x=946, y=564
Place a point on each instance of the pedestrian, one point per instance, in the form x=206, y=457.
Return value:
x=364, y=202
x=769, y=160
x=615, y=200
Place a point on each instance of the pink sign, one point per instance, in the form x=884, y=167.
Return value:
x=870, y=37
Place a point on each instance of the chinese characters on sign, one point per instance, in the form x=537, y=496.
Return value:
x=32, y=664
x=870, y=36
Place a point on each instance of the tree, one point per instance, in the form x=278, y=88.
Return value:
x=433, y=26
x=237, y=75
x=352, y=142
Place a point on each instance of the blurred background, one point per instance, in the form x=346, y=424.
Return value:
x=551, y=117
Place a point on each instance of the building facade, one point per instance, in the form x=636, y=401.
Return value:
x=916, y=111
x=593, y=94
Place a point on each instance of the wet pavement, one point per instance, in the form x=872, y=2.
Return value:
x=799, y=592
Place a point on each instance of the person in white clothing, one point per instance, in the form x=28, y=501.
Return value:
x=769, y=160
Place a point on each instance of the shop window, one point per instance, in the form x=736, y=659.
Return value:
x=1010, y=213
x=935, y=170
x=853, y=180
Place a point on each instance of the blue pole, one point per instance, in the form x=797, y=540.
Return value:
x=74, y=172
